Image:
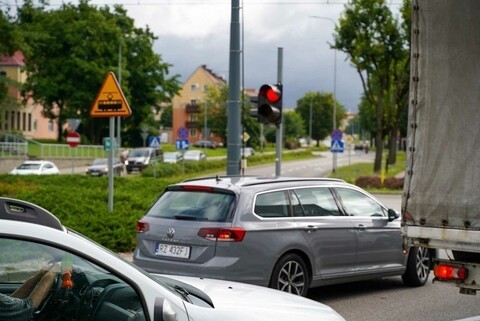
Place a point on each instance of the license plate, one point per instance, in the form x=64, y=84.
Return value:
x=172, y=250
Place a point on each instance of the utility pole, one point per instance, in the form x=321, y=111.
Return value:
x=233, y=103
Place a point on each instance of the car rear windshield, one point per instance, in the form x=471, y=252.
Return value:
x=193, y=205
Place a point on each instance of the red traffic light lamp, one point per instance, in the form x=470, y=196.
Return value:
x=269, y=110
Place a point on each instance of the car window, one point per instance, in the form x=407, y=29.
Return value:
x=81, y=290
x=193, y=205
x=316, y=202
x=273, y=204
x=359, y=204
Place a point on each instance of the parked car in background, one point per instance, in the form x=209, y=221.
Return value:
x=205, y=144
x=172, y=157
x=194, y=155
x=287, y=233
x=95, y=284
x=140, y=158
x=40, y=167
x=247, y=151
x=99, y=167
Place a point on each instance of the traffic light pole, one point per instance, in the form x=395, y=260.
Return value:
x=278, y=140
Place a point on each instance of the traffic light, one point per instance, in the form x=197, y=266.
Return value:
x=269, y=108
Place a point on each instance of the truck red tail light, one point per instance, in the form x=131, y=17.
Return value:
x=233, y=234
x=142, y=226
x=450, y=272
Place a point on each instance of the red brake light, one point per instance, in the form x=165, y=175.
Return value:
x=449, y=272
x=197, y=188
x=142, y=226
x=234, y=234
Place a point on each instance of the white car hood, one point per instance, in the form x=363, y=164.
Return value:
x=240, y=301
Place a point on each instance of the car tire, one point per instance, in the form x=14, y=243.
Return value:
x=418, y=267
x=291, y=275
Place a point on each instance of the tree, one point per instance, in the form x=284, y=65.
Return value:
x=9, y=42
x=69, y=52
x=321, y=104
x=375, y=45
x=166, y=119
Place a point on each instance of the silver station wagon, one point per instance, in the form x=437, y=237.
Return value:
x=286, y=233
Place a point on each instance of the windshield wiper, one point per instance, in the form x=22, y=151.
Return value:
x=184, y=293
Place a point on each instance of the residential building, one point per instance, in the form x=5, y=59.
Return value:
x=16, y=115
x=188, y=103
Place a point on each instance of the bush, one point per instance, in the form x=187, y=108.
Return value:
x=393, y=183
x=375, y=182
x=368, y=182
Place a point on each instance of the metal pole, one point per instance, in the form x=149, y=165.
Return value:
x=310, y=124
x=110, y=165
x=334, y=165
x=279, y=142
x=205, y=123
x=233, y=103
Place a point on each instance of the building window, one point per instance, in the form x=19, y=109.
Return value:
x=24, y=121
x=3, y=73
x=35, y=125
x=12, y=120
x=6, y=120
x=50, y=125
x=19, y=120
x=194, y=87
x=29, y=122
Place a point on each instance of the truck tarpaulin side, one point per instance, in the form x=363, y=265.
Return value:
x=441, y=200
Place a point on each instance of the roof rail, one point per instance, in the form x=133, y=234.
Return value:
x=265, y=179
x=283, y=179
x=22, y=211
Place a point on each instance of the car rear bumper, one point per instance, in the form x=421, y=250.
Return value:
x=223, y=268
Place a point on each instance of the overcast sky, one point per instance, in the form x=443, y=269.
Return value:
x=197, y=32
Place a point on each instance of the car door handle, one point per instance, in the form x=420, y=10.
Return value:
x=311, y=228
x=361, y=227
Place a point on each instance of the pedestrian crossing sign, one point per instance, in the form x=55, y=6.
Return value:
x=337, y=146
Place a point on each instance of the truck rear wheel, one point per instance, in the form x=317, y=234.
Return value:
x=418, y=267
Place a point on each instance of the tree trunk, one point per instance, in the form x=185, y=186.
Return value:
x=392, y=146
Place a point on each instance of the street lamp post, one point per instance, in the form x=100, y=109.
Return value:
x=205, y=128
x=310, y=124
x=334, y=165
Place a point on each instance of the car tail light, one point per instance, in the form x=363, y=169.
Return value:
x=234, y=234
x=449, y=272
x=142, y=226
x=196, y=188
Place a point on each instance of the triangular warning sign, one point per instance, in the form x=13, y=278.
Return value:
x=110, y=101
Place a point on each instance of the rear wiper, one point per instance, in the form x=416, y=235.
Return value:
x=190, y=218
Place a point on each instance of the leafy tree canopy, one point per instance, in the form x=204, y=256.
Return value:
x=69, y=53
x=317, y=107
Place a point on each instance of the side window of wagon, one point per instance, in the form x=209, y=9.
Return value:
x=273, y=204
x=359, y=204
x=317, y=202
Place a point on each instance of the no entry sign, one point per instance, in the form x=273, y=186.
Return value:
x=73, y=139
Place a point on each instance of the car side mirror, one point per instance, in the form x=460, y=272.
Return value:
x=392, y=214
x=163, y=311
